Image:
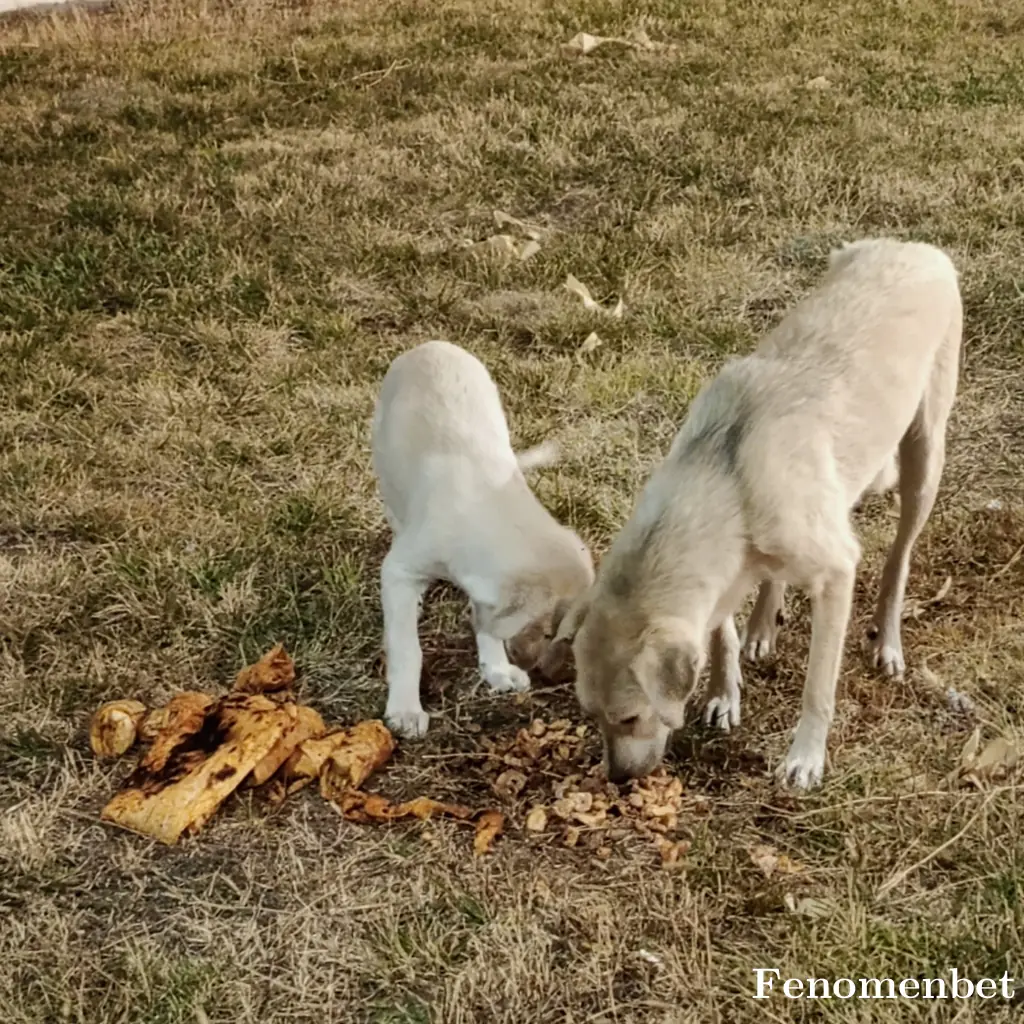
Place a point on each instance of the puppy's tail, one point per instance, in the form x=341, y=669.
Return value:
x=547, y=453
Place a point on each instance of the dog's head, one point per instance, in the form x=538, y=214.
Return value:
x=633, y=677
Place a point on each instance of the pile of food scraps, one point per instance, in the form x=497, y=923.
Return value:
x=198, y=749
x=202, y=748
x=542, y=773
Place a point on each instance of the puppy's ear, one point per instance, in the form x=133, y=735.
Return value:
x=666, y=669
x=566, y=619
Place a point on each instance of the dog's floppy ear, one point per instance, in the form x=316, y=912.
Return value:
x=666, y=669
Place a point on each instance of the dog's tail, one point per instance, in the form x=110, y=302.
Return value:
x=547, y=453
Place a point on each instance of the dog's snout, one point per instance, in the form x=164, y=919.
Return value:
x=618, y=775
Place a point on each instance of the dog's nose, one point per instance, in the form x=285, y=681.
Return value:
x=618, y=775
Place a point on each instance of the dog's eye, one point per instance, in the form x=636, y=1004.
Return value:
x=630, y=722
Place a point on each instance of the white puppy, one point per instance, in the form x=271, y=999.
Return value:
x=461, y=510
x=758, y=487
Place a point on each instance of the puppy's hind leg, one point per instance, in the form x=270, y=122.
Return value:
x=766, y=619
x=401, y=589
x=495, y=668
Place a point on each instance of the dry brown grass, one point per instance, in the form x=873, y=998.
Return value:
x=217, y=225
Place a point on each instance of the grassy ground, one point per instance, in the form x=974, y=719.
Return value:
x=217, y=226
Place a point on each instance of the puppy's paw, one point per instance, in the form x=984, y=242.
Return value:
x=410, y=723
x=804, y=766
x=723, y=712
x=505, y=678
x=887, y=656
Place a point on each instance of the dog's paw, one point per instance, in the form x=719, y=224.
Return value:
x=505, y=678
x=412, y=724
x=887, y=657
x=802, y=770
x=723, y=712
x=804, y=766
x=758, y=648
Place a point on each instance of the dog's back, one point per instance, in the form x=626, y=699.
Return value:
x=438, y=410
x=850, y=366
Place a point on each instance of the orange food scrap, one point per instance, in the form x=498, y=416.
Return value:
x=179, y=791
x=305, y=724
x=275, y=671
x=488, y=827
x=180, y=719
x=114, y=727
x=358, y=806
x=355, y=753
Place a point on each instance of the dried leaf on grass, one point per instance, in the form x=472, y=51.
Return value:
x=993, y=761
x=274, y=672
x=577, y=287
x=505, y=246
x=809, y=906
x=584, y=43
x=114, y=727
x=771, y=862
x=914, y=609
x=503, y=219
x=178, y=788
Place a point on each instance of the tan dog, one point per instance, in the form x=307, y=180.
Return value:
x=757, y=487
x=461, y=510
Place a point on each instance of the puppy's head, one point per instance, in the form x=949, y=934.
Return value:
x=532, y=605
x=530, y=602
x=634, y=678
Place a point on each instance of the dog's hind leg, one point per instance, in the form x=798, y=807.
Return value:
x=401, y=590
x=723, y=707
x=495, y=668
x=922, y=457
x=766, y=619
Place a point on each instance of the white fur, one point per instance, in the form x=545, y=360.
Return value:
x=758, y=488
x=461, y=510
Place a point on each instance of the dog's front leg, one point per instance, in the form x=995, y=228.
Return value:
x=723, y=707
x=766, y=619
x=401, y=591
x=831, y=601
x=495, y=668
